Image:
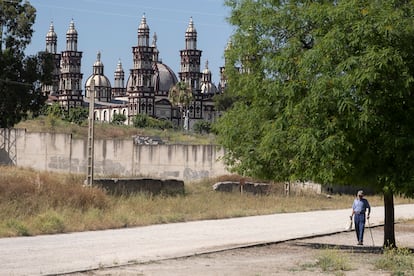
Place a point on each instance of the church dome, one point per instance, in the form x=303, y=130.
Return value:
x=164, y=77
x=208, y=88
x=98, y=74
x=100, y=81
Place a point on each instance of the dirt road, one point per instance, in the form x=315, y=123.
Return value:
x=296, y=257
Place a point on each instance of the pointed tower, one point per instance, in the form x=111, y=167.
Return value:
x=51, y=48
x=70, y=83
x=190, y=59
x=140, y=87
x=118, y=90
x=190, y=68
x=223, y=79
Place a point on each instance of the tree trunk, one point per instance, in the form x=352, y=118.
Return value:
x=389, y=233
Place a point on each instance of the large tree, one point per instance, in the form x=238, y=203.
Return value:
x=20, y=75
x=325, y=93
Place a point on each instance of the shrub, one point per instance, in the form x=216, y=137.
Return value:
x=145, y=121
x=118, y=119
x=202, y=127
x=397, y=260
x=333, y=260
x=77, y=115
x=17, y=227
x=50, y=222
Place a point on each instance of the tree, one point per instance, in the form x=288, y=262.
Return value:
x=181, y=95
x=118, y=119
x=325, y=94
x=20, y=76
x=77, y=115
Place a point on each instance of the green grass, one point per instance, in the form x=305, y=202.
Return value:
x=33, y=203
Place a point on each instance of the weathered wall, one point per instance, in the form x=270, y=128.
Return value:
x=63, y=153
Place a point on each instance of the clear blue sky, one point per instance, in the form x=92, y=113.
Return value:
x=110, y=26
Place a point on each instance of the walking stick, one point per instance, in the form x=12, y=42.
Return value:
x=370, y=231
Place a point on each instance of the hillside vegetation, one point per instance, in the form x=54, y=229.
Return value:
x=111, y=131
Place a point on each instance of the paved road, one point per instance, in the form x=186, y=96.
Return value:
x=64, y=253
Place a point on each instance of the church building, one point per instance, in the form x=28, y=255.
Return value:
x=146, y=87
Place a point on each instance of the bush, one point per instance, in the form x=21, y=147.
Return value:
x=202, y=127
x=17, y=227
x=118, y=119
x=50, y=223
x=77, y=115
x=397, y=260
x=333, y=260
x=145, y=121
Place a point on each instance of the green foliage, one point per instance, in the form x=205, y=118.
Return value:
x=333, y=260
x=140, y=120
x=223, y=102
x=17, y=227
x=118, y=119
x=54, y=110
x=180, y=95
x=397, y=260
x=20, y=76
x=202, y=126
x=325, y=92
x=50, y=222
x=77, y=115
x=145, y=121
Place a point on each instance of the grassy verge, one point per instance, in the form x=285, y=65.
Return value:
x=33, y=203
x=110, y=131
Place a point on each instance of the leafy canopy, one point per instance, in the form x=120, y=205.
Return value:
x=20, y=76
x=325, y=92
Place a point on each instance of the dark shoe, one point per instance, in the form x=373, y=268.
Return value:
x=360, y=243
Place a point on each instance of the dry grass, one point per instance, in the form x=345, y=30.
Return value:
x=109, y=131
x=34, y=203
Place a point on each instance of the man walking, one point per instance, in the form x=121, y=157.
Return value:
x=359, y=208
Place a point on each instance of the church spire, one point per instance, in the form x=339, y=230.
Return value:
x=143, y=32
x=51, y=40
x=72, y=38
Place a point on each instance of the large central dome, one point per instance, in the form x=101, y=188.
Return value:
x=163, y=79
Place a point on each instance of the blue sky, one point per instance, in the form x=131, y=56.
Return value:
x=110, y=26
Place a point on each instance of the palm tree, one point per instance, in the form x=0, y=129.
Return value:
x=180, y=95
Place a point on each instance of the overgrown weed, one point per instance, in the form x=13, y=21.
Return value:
x=399, y=261
x=34, y=203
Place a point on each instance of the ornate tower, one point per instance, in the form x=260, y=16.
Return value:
x=223, y=79
x=118, y=90
x=190, y=68
x=70, y=85
x=140, y=88
x=51, y=48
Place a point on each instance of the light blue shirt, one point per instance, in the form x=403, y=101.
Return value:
x=361, y=205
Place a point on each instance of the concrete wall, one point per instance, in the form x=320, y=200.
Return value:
x=63, y=153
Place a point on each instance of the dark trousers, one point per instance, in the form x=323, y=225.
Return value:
x=359, y=226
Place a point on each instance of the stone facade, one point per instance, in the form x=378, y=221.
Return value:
x=144, y=91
